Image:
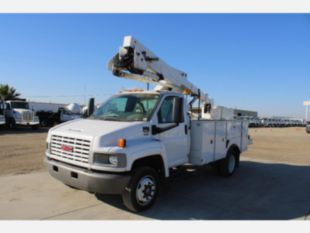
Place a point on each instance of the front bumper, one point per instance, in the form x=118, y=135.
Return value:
x=26, y=123
x=91, y=181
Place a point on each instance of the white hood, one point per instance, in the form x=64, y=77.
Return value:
x=21, y=110
x=89, y=127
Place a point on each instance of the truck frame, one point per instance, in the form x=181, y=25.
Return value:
x=133, y=140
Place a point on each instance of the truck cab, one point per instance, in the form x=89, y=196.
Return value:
x=18, y=114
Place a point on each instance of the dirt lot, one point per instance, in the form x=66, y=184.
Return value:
x=22, y=150
x=271, y=183
x=282, y=145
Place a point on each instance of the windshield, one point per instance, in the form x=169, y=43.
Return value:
x=23, y=105
x=130, y=107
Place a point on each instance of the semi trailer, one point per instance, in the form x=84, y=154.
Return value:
x=133, y=141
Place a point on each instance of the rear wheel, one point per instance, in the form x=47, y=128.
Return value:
x=228, y=165
x=142, y=190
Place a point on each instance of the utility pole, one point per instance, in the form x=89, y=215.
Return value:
x=306, y=103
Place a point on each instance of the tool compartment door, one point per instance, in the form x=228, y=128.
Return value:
x=220, y=140
x=202, y=142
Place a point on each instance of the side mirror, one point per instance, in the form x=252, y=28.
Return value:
x=177, y=111
x=91, y=106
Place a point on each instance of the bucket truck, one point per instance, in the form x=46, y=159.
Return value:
x=134, y=140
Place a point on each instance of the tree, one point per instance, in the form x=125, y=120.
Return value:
x=7, y=92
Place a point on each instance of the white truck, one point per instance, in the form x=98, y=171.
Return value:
x=51, y=114
x=130, y=144
x=2, y=109
x=18, y=113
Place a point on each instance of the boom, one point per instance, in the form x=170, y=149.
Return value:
x=135, y=61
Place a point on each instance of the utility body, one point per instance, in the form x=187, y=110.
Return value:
x=129, y=145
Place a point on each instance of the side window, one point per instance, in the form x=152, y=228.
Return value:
x=165, y=113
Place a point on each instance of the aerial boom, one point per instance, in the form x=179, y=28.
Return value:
x=135, y=61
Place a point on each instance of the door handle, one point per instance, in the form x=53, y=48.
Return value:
x=186, y=129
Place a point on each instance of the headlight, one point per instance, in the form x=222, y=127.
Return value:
x=17, y=116
x=110, y=160
x=113, y=159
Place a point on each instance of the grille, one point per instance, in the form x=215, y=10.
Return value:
x=79, y=149
x=27, y=116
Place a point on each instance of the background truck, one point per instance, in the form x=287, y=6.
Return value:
x=18, y=113
x=308, y=127
x=2, y=109
x=50, y=114
x=133, y=141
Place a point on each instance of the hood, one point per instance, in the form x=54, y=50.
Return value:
x=21, y=110
x=93, y=128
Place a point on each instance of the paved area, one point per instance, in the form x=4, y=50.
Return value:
x=258, y=190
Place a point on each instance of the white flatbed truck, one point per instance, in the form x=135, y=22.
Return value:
x=133, y=140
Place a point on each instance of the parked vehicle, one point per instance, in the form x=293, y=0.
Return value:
x=17, y=113
x=267, y=122
x=133, y=140
x=2, y=109
x=51, y=114
x=308, y=127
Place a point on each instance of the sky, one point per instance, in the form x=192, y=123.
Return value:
x=257, y=62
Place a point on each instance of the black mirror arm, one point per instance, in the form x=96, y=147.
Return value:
x=157, y=130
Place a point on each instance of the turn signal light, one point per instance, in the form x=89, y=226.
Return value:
x=186, y=92
x=121, y=142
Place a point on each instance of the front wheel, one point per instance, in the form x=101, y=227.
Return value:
x=142, y=190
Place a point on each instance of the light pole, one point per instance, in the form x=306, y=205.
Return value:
x=306, y=103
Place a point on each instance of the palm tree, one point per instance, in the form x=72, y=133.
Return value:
x=7, y=92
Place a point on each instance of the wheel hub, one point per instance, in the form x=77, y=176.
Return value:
x=231, y=163
x=146, y=189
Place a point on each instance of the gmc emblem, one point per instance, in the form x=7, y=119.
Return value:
x=67, y=148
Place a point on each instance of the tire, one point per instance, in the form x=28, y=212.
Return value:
x=228, y=166
x=11, y=124
x=44, y=123
x=144, y=179
x=35, y=127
